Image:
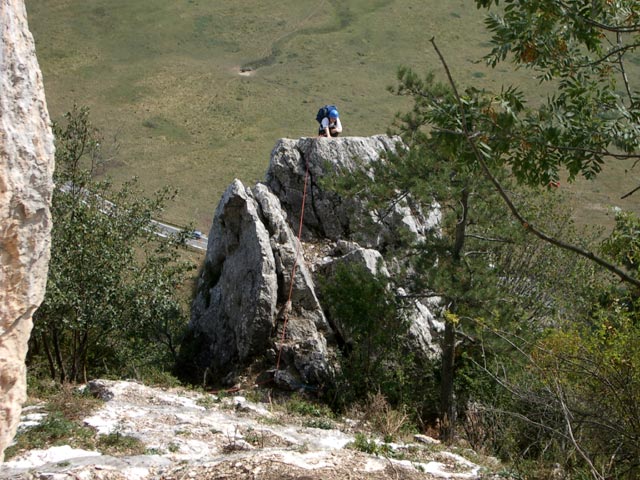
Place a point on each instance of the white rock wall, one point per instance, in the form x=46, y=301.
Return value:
x=26, y=167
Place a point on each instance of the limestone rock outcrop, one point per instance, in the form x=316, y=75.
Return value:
x=26, y=167
x=243, y=290
x=242, y=305
x=328, y=215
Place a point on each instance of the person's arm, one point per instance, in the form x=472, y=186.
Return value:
x=325, y=127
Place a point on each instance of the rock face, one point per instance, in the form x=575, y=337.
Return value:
x=26, y=166
x=328, y=215
x=241, y=308
x=191, y=435
x=244, y=287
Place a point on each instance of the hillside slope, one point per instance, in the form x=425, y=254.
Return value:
x=199, y=435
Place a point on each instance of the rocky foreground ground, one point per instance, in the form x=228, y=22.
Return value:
x=188, y=434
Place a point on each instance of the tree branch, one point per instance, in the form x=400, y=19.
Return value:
x=567, y=418
x=630, y=193
x=603, y=26
x=625, y=79
x=516, y=213
x=489, y=239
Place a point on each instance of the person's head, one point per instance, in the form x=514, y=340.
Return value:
x=333, y=114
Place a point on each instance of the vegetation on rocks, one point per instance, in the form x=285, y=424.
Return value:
x=112, y=305
x=535, y=315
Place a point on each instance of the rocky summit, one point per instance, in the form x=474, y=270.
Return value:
x=257, y=293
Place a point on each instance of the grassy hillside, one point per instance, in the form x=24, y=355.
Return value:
x=197, y=92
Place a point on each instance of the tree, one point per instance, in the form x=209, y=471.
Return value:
x=477, y=261
x=592, y=115
x=582, y=48
x=112, y=303
x=375, y=357
x=474, y=151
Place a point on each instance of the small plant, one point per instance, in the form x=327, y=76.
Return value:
x=73, y=403
x=55, y=429
x=66, y=406
x=271, y=420
x=173, y=447
x=207, y=401
x=117, y=444
x=302, y=407
x=322, y=423
x=233, y=445
x=363, y=444
x=384, y=418
x=254, y=438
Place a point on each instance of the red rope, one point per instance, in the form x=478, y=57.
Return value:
x=293, y=275
x=287, y=306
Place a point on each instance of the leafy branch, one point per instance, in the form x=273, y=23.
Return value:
x=479, y=156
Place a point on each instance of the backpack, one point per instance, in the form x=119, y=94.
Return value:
x=324, y=112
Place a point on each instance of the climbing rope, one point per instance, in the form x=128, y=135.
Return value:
x=287, y=307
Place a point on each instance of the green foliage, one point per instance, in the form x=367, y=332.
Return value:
x=371, y=447
x=624, y=242
x=112, y=304
x=565, y=392
x=118, y=444
x=65, y=407
x=54, y=430
x=363, y=444
x=375, y=357
x=300, y=406
x=385, y=419
x=470, y=144
x=321, y=423
x=468, y=151
x=585, y=48
x=588, y=374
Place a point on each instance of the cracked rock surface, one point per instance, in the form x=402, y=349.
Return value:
x=197, y=435
x=26, y=169
x=257, y=296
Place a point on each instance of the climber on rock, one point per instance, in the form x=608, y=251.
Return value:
x=329, y=121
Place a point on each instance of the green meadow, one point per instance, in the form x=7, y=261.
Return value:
x=197, y=92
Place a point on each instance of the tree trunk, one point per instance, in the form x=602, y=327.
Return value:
x=47, y=351
x=447, y=410
x=447, y=404
x=58, y=353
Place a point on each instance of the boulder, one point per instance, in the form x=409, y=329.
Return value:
x=26, y=168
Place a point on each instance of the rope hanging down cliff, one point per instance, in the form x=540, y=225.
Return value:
x=287, y=307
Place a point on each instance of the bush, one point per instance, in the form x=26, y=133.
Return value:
x=112, y=305
x=375, y=357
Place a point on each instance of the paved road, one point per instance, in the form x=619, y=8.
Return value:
x=196, y=239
